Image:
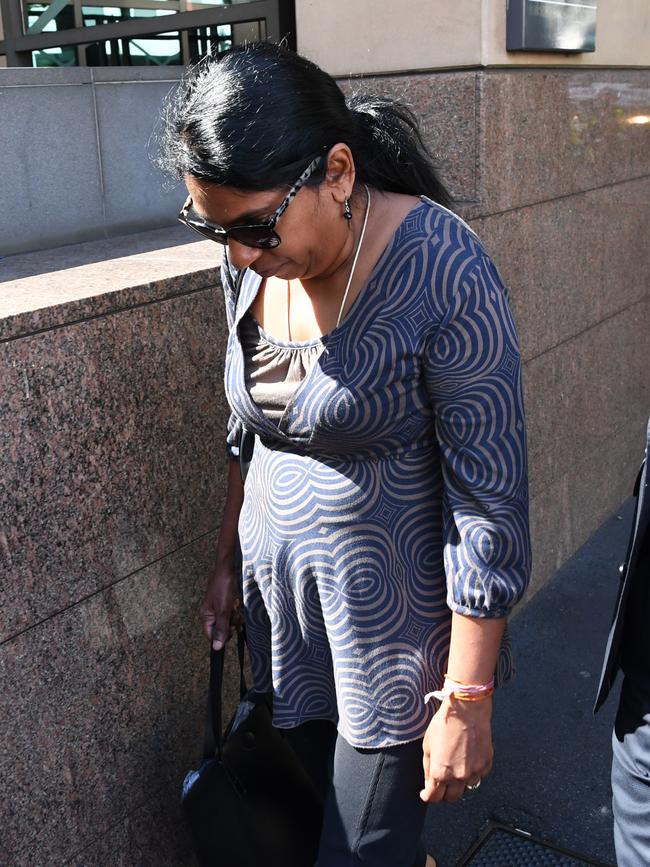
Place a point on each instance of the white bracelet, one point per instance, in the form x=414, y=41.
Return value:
x=440, y=694
x=469, y=691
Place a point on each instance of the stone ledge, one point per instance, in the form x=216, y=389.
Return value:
x=57, y=76
x=50, y=288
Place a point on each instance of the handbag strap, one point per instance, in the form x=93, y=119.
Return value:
x=213, y=735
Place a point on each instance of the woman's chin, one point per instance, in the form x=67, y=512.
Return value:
x=285, y=271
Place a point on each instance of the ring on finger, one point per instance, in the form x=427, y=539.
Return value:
x=474, y=786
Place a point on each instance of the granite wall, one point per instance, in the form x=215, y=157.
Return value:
x=552, y=170
x=112, y=415
x=112, y=422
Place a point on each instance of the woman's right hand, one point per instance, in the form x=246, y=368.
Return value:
x=220, y=607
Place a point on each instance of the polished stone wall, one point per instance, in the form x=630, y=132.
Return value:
x=553, y=174
x=566, y=211
x=112, y=466
x=112, y=418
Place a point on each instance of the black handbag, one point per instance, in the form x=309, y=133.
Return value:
x=251, y=801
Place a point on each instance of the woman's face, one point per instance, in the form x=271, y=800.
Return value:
x=313, y=232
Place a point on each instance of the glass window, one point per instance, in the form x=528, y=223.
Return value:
x=157, y=50
x=93, y=15
x=66, y=56
x=48, y=15
x=160, y=47
x=169, y=48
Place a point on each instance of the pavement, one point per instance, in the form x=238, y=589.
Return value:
x=552, y=763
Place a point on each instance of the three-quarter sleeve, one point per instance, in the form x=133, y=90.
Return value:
x=234, y=426
x=472, y=369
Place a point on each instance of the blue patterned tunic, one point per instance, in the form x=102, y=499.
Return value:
x=392, y=491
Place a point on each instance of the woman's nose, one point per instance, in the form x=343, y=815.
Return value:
x=242, y=256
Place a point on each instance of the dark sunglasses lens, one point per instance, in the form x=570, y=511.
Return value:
x=255, y=236
x=212, y=234
x=206, y=231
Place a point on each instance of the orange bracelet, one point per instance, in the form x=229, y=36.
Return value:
x=459, y=695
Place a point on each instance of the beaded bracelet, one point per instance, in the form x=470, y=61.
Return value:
x=463, y=691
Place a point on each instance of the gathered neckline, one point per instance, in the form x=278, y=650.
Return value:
x=286, y=344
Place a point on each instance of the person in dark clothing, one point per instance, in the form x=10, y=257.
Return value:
x=628, y=648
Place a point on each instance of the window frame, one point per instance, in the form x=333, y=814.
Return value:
x=278, y=15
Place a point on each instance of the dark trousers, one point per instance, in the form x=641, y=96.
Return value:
x=631, y=773
x=373, y=814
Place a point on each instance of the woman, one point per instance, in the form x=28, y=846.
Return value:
x=383, y=523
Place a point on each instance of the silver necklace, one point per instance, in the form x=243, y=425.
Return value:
x=352, y=270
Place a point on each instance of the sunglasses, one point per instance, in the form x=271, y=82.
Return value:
x=261, y=235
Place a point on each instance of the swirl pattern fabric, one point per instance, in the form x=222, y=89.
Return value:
x=392, y=491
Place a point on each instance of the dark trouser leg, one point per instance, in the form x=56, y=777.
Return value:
x=373, y=812
x=631, y=775
x=313, y=741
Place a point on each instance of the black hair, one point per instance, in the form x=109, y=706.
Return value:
x=254, y=117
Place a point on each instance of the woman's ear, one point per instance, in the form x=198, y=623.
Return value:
x=340, y=172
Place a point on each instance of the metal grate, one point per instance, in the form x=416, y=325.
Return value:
x=501, y=846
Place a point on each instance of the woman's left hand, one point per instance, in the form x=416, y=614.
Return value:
x=457, y=749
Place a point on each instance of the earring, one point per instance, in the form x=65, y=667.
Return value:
x=347, y=211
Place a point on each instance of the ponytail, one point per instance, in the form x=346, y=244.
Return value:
x=251, y=118
x=390, y=153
